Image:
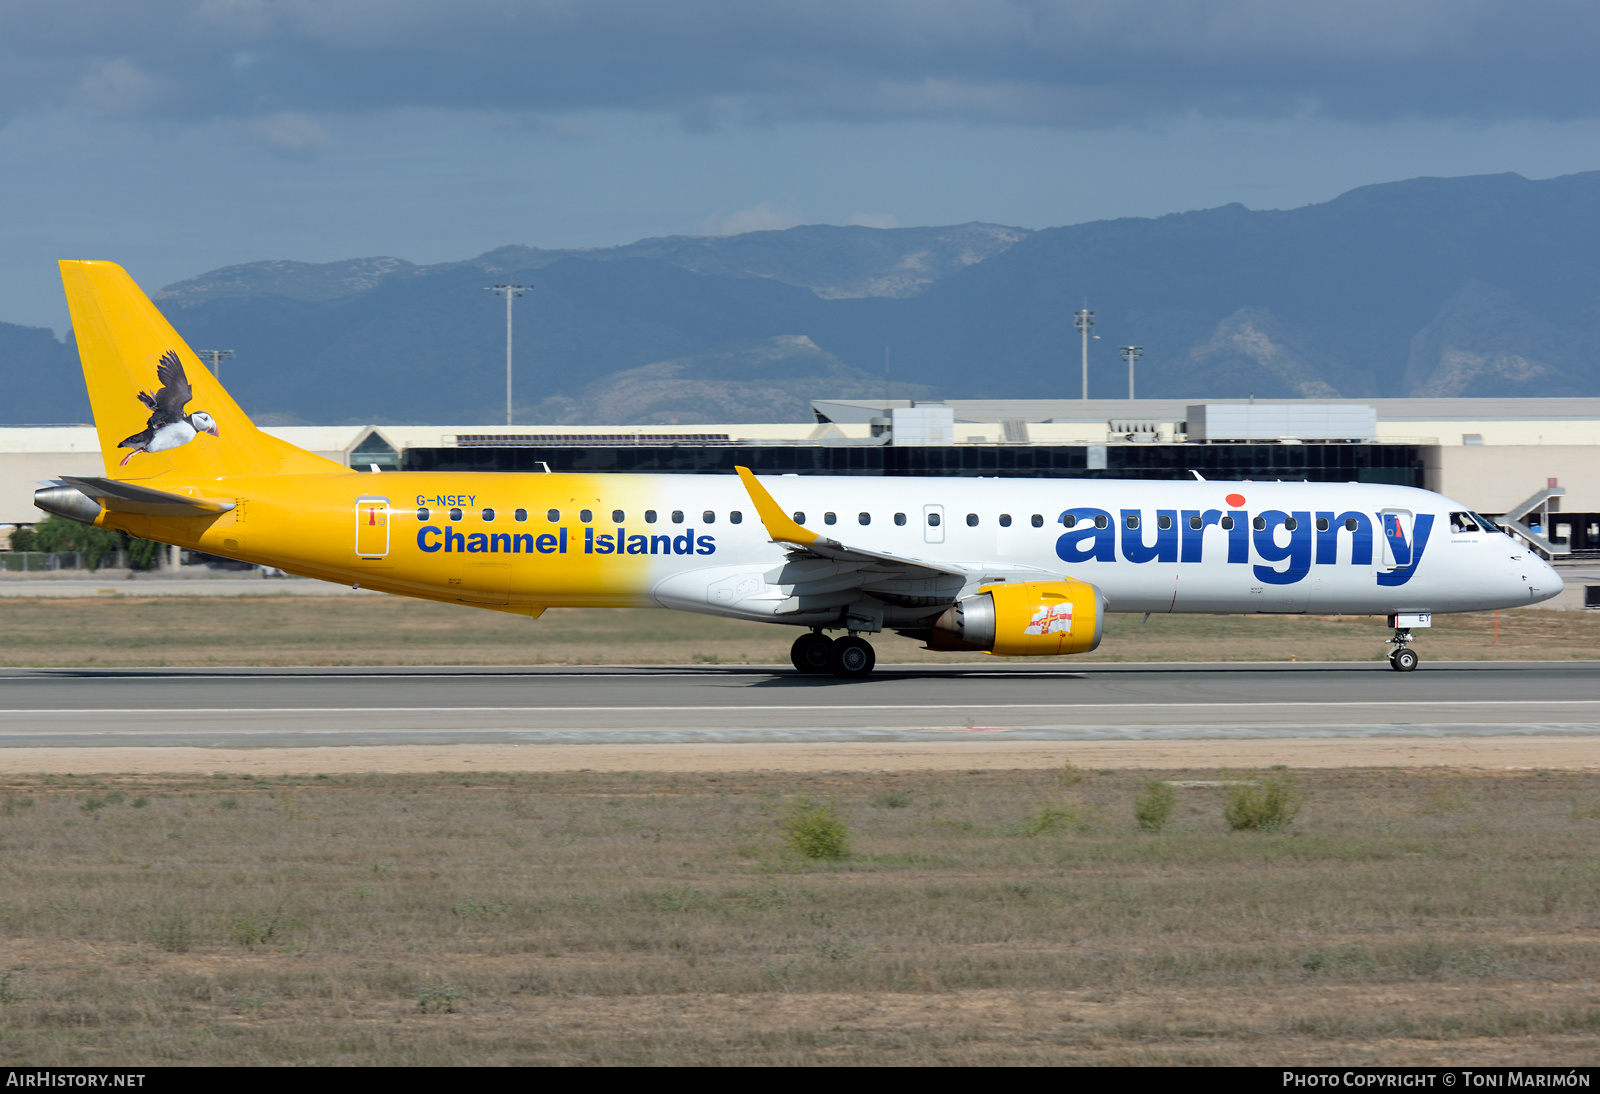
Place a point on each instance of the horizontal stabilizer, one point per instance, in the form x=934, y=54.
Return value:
x=126, y=497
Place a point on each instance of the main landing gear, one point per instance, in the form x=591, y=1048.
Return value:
x=1403, y=658
x=849, y=658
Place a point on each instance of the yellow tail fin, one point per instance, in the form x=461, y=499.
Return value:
x=159, y=411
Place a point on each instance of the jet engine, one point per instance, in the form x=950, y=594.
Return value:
x=1026, y=619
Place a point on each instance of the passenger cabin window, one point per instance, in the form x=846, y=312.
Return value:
x=1037, y=520
x=1005, y=520
x=649, y=516
x=863, y=518
x=618, y=516
x=1163, y=522
x=586, y=515
x=1132, y=520
x=1101, y=521
x=799, y=518
x=829, y=518
x=900, y=520
x=1226, y=523
x=1196, y=523
x=1463, y=522
x=1068, y=520
x=553, y=516
x=1350, y=524
x=1290, y=523
x=422, y=513
x=972, y=520
x=933, y=520
x=488, y=514
x=1259, y=524
x=1322, y=524
x=455, y=514
x=736, y=517
x=520, y=515
x=677, y=516
x=709, y=517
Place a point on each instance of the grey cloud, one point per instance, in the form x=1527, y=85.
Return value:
x=725, y=61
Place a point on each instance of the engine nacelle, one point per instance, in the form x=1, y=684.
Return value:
x=1027, y=619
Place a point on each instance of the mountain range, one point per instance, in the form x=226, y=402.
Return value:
x=1477, y=286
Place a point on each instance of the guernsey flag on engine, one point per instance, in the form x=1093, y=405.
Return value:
x=1052, y=619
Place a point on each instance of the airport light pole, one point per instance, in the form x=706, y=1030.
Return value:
x=215, y=357
x=1131, y=354
x=510, y=292
x=1084, y=321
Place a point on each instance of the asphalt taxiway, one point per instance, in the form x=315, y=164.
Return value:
x=278, y=708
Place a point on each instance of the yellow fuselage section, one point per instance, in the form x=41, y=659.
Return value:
x=512, y=542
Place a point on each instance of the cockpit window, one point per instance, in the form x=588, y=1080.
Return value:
x=1463, y=522
x=1485, y=523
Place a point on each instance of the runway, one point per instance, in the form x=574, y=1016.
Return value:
x=297, y=708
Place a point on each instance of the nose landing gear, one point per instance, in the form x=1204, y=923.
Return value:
x=1403, y=658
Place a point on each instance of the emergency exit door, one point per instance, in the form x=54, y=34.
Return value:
x=372, y=527
x=1395, y=550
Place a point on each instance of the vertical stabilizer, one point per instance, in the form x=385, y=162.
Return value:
x=158, y=410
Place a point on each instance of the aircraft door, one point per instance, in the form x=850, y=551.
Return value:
x=933, y=524
x=1395, y=542
x=372, y=527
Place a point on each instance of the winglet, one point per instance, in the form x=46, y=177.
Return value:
x=778, y=523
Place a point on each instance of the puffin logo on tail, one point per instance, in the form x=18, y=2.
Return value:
x=168, y=427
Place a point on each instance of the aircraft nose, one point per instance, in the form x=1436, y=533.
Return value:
x=1541, y=580
x=1552, y=576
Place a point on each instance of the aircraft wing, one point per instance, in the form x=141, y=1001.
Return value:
x=807, y=544
x=823, y=574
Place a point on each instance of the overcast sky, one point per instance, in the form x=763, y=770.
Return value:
x=176, y=136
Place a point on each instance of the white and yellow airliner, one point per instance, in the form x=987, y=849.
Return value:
x=1003, y=566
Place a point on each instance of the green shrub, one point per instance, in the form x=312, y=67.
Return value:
x=1483, y=961
x=1264, y=806
x=891, y=799
x=815, y=830
x=472, y=908
x=438, y=998
x=1069, y=774
x=1153, y=809
x=250, y=929
x=676, y=899
x=1051, y=819
x=14, y=988
x=172, y=933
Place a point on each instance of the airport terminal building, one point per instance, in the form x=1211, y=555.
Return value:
x=1534, y=463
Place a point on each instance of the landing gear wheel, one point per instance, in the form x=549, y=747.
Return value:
x=810, y=653
x=1403, y=660
x=851, y=658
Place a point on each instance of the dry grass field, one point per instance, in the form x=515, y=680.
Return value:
x=978, y=918
x=318, y=630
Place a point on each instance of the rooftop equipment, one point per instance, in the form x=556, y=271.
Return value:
x=1282, y=422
